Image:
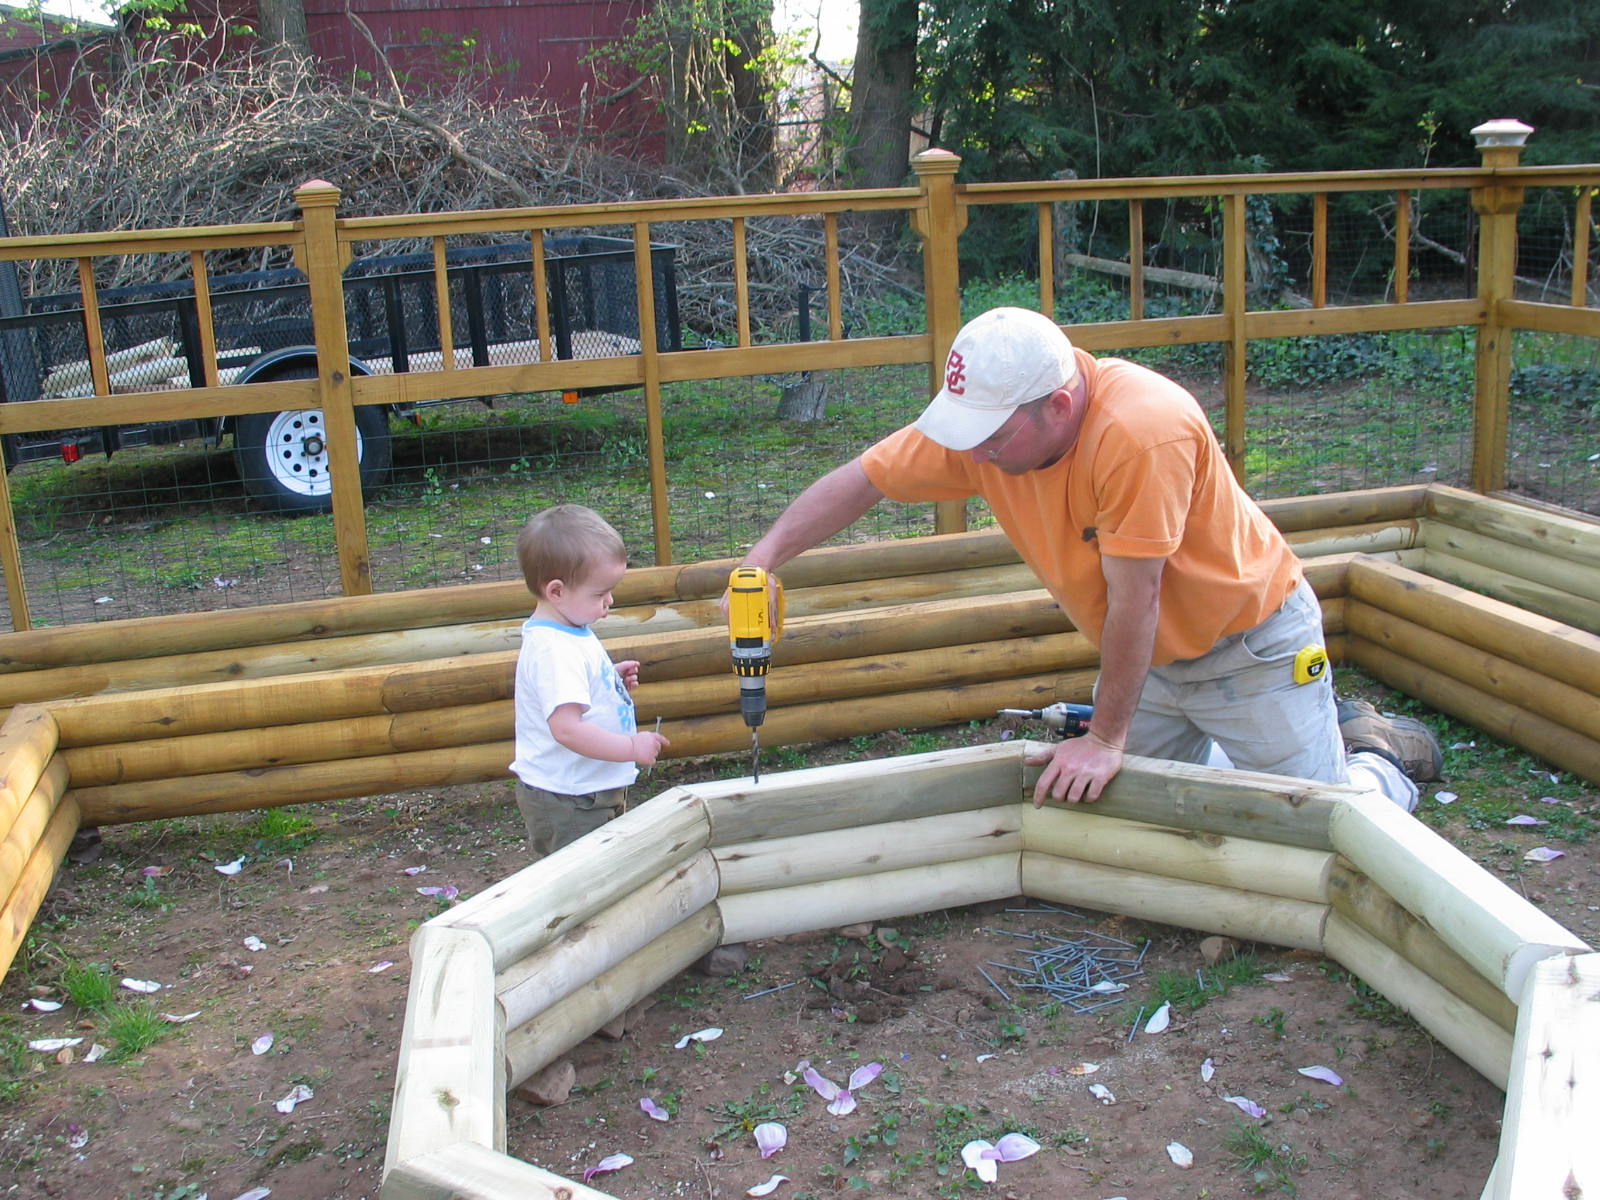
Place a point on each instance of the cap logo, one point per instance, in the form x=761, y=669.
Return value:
x=955, y=374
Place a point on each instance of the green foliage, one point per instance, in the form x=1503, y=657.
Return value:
x=1272, y=1164
x=89, y=986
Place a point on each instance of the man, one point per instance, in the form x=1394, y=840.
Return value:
x=1110, y=482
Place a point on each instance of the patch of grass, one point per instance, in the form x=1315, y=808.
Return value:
x=1271, y=1164
x=1189, y=990
x=740, y=1117
x=133, y=1028
x=278, y=829
x=90, y=986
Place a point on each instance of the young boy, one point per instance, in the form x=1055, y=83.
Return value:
x=577, y=745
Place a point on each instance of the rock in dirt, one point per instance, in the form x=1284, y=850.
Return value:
x=724, y=961
x=1218, y=949
x=620, y=1024
x=550, y=1086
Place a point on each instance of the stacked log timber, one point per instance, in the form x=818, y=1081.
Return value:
x=360, y=631
x=580, y=937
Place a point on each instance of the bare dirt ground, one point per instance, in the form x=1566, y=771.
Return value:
x=331, y=898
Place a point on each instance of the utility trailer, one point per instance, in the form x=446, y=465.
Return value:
x=262, y=325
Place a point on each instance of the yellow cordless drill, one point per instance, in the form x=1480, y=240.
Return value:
x=755, y=622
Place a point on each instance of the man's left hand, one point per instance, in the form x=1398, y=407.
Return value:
x=1076, y=771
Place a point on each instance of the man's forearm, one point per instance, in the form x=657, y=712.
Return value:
x=1126, y=645
x=819, y=512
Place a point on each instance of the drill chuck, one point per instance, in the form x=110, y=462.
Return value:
x=753, y=699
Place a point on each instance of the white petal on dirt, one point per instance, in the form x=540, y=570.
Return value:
x=1107, y=987
x=377, y=967
x=39, y=1005
x=1180, y=1154
x=767, y=1188
x=1326, y=1074
x=447, y=891
x=1102, y=1093
x=653, y=1110
x=156, y=872
x=255, y=1193
x=771, y=1136
x=1207, y=1070
x=1245, y=1105
x=821, y=1084
x=986, y=1057
x=611, y=1162
x=262, y=1044
x=973, y=1154
x=298, y=1094
x=77, y=1137
x=1159, y=1020
x=179, y=1018
x=1014, y=1147
x=1549, y=800
x=699, y=1035
x=1524, y=819
x=141, y=985
x=1083, y=1069
x=254, y=943
x=51, y=1045
x=1278, y=977
x=231, y=868
x=1445, y=797
x=1543, y=854
x=96, y=1052
x=414, y=870
x=863, y=1075
x=843, y=1104
x=287, y=863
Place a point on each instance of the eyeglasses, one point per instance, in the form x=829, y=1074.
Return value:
x=1027, y=410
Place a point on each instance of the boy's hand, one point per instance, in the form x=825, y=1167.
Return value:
x=647, y=746
x=629, y=670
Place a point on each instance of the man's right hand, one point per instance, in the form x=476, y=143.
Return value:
x=1076, y=770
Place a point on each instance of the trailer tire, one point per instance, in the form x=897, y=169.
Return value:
x=283, y=456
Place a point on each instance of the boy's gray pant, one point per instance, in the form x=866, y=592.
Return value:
x=553, y=819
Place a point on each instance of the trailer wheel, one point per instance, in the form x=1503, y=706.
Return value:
x=283, y=456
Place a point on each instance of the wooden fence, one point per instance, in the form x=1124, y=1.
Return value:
x=937, y=208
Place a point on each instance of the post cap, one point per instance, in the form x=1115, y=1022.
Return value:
x=1506, y=131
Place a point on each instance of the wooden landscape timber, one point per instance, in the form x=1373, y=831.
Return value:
x=788, y=855
x=883, y=636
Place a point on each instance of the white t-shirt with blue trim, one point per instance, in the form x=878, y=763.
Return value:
x=564, y=664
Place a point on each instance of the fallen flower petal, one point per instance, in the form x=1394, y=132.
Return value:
x=1083, y=1069
x=1207, y=1070
x=414, y=870
x=653, y=1110
x=1524, y=819
x=43, y=1005
x=231, y=868
x=699, y=1035
x=262, y=1044
x=863, y=1075
x=298, y=1094
x=1246, y=1106
x=1180, y=1154
x=155, y=872
x=1445, y=797
x=1326, y=1074
x=1108, y=987
x=1014, y=1147
x=383, y=966
x=843, y=1104
x=767, y=1188
x=96, y=1052
x=986, y=1057
x=770, y=1137
x=254, y=943
x=51, y=1045
x=179, y=1019
x=141, y=985
x=611, y=1162
x=1543, y=854
x=975, y=1155
x=1159, y=1020
x=447, y=891
x=1102, y=1093
x=820, y=1084
x=77, y=1137
x=255, y=1193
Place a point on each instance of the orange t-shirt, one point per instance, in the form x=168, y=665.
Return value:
x=1146, y=478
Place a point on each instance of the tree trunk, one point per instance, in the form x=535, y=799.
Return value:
x=283, y=28
x=804, y=401
x=880, y=103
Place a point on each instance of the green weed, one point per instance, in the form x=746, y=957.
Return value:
x=133, y=1028
x=1272, y=1164
x=90, y=986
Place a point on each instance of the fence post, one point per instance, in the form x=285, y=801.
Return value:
x=1500, y=144
x=939, y=222
x=323, y=259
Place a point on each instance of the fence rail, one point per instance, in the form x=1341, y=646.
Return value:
x=1103, y=226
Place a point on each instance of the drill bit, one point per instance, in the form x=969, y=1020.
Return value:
x=755, y=756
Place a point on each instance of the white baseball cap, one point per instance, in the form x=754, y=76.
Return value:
x=1001, y=360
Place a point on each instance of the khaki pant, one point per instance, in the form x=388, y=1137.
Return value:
x=554, y=820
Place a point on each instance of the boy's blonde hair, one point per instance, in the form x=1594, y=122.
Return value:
x=565, y=542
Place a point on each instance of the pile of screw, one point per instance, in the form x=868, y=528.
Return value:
x=1087, y=971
